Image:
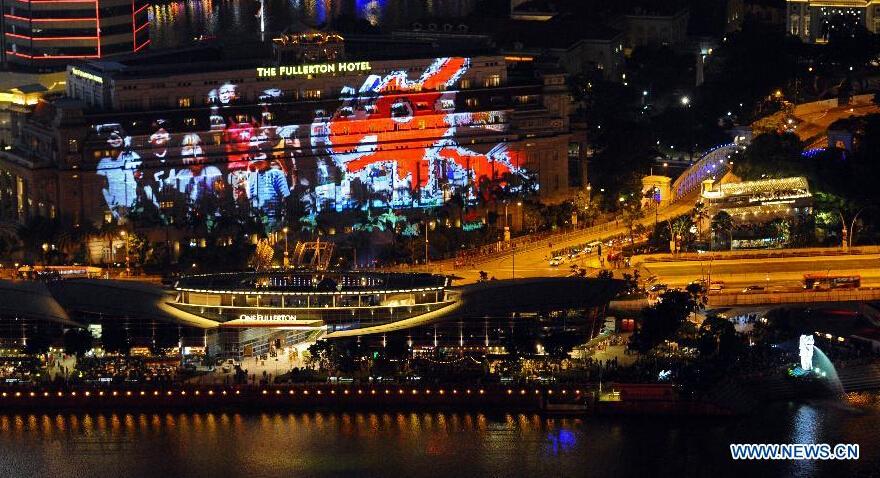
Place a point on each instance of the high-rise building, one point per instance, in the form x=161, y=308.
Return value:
x=47, y=34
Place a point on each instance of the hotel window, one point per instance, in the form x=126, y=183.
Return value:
x=493, y=80
x=130, y=104
x=184, y=102
x=189, y=121
x=465, y=84
x=72, y=146
x=166, y=204
x=312, y=94
x=472, y=102
x=158, y=103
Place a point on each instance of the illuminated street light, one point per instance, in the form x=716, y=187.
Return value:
x=685, y=100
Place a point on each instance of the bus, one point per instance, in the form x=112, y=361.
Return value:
x=59, y=272
x=830, y=281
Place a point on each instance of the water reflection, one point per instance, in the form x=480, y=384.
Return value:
x=178, y=23
x=421, y=444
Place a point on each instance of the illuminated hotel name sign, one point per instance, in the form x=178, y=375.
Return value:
x=86, y=75
x=322, y=69
x=267, y=318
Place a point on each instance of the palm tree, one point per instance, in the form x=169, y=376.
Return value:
x=109, y=231
x=37, y=234
x=677, y=228
x=700, y=214
x=631, y=215
x=74, y=237
x=723, y=223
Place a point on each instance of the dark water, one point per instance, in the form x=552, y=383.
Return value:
x=424, y=444
x=178, y=22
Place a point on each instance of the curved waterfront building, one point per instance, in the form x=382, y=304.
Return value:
x=250, y=313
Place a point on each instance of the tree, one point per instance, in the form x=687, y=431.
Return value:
x=263, y=256
x=558, y=345
x=39, y=339
x=320, y=354
x=520, y=341
x=114, y=338
x=722, y=223
x=679, y=229
x=717, y=337
x=700, y=214
x=663, y=320
x=632, y=212
x=109, y=232
x=587, y=205
x=772, y=155
x=77, y=341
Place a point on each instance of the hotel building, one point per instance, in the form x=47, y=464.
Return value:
x=813, y=20
x=169, y=131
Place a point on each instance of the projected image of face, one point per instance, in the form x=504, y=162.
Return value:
x=223, y=95
x=388, y=141
x=120, y=170
x=160, y=140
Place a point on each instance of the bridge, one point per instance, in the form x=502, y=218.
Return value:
x=795, y=297
x=715, y=163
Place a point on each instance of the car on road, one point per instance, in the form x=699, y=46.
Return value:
x=716, y=285
x=658, y=288
x=753, y=288
x=557, y=261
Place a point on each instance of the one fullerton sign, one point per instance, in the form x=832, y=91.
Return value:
x=305, y=70
x=267, y=318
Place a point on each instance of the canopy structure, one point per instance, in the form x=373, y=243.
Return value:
x=29, y=299
x=58, y=300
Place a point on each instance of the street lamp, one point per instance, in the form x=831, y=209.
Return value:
x=286, y=249
x=513, y=249
x=685, y=101
x=127, y=257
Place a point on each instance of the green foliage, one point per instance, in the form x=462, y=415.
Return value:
x=772, y=155
x=717, y=337
x=663, y=320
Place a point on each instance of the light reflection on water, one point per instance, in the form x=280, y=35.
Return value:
x=421, y=444
x=177, y=23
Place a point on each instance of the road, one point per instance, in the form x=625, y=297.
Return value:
x=775, y=272
x=536, y=262
x=816, y=124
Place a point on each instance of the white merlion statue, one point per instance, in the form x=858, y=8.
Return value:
x=806, y=351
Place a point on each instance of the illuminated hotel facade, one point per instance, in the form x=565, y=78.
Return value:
x=813, y=20
x=332, y=135
x=47, y=34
